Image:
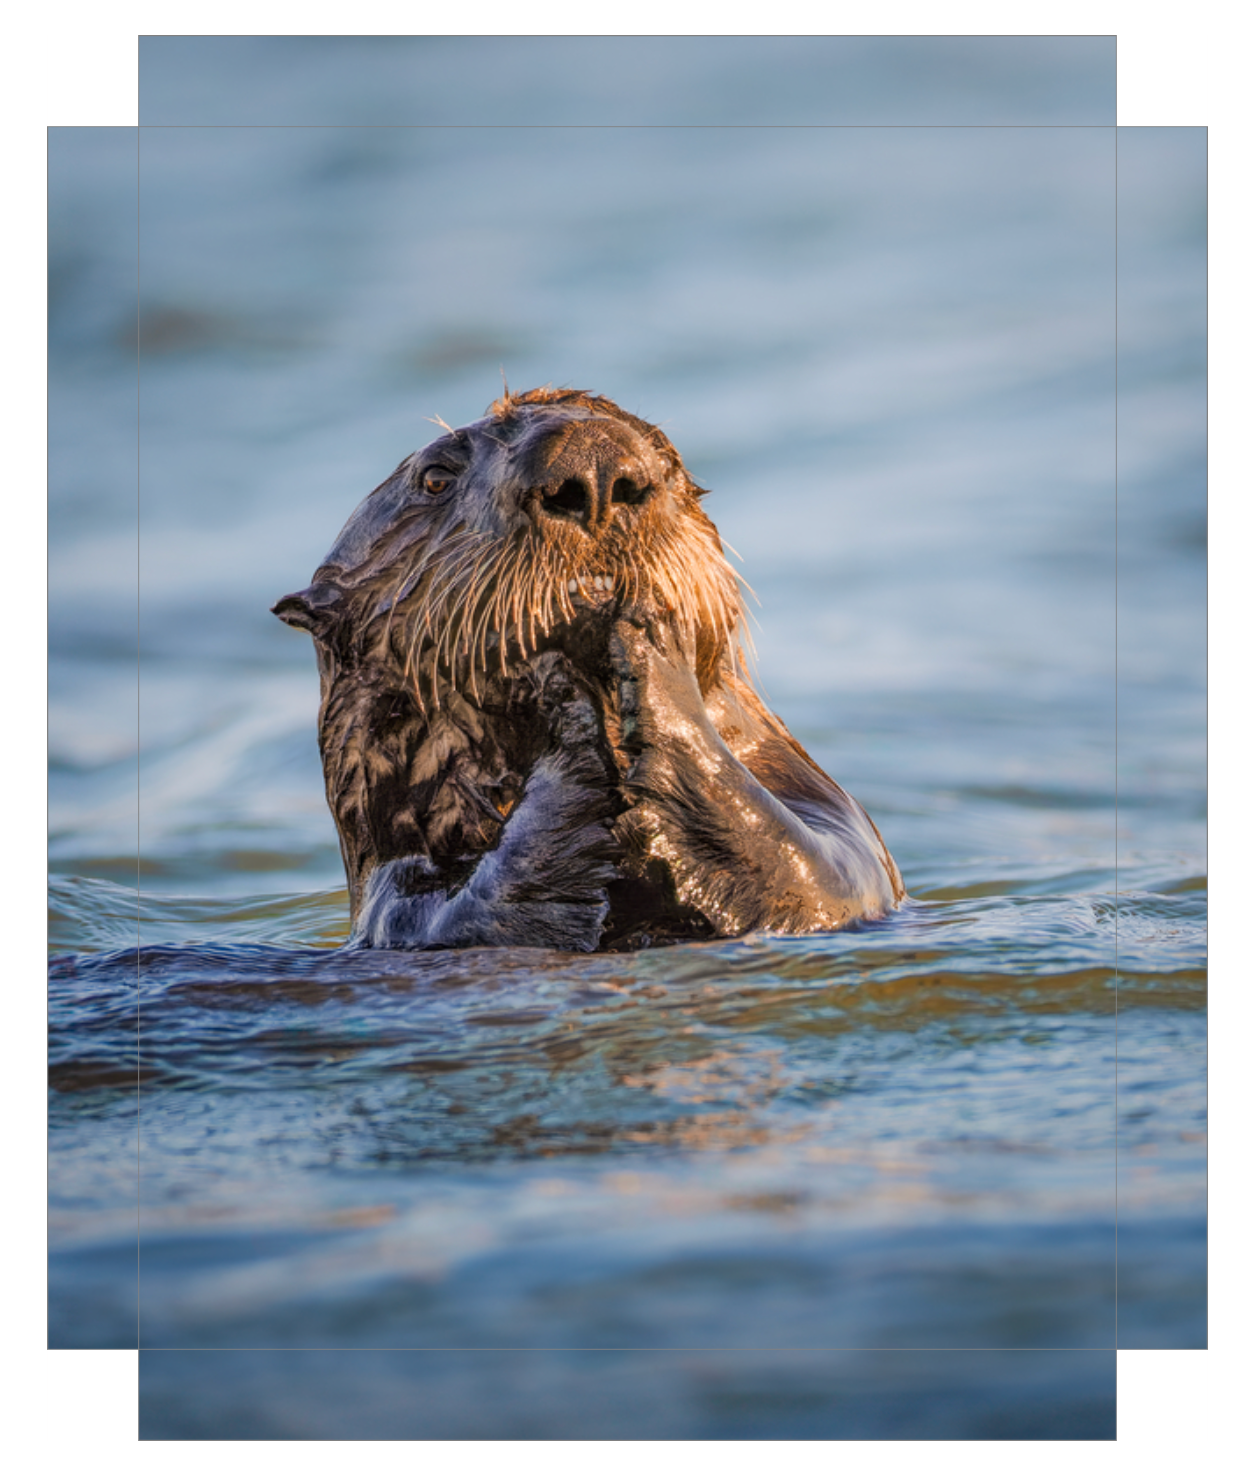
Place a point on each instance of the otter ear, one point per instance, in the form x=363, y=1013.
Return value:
x=314, y=609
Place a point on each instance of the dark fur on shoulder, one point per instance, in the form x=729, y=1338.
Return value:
x=536, y=725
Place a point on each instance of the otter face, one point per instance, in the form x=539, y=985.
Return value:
x=499, y=539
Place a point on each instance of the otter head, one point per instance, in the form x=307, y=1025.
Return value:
x=502, y=538
x=529, y=530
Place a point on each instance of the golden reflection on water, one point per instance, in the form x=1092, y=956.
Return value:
x=749, y=1078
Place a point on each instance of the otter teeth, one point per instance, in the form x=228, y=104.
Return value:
x=601, y=586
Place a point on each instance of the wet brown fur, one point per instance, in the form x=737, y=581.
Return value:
x=445, y=626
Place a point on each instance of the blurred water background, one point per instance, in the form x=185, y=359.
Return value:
x=947, y=387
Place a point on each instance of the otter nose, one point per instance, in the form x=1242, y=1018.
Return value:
x=585, y=471
x=586, y=500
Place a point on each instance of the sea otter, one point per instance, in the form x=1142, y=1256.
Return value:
x=536, y=725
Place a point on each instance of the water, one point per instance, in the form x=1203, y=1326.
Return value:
x=919, y=1178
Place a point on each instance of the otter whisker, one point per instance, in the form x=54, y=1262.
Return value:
x=563, y=598
x=545, y=605
x=478, y=643
x=476, y=607
x=516, y=615
x=417, y=569
x=433, y=606
x=539, y=618
x=636, y=581
x=435, y=611
x=528, y=606
x=498, y=626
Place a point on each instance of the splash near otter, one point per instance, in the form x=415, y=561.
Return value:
x=536, y=725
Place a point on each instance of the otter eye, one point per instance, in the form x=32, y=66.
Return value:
x=437, y=480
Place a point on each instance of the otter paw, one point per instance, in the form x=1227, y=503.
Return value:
x=657, y=693
x=572, y=718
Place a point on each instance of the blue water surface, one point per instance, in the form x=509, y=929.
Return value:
x=919, y=1179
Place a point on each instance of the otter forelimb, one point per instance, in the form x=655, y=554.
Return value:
x=545, y=882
